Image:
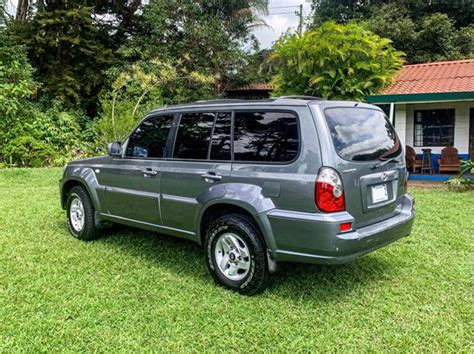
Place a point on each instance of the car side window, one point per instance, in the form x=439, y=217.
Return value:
x=264, y=136
x=194, y=135
x=220, y=142
x=149, y=139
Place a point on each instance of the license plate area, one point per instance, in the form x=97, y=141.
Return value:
x=379, y=193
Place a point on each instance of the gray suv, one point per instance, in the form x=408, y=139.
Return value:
x=255, y=182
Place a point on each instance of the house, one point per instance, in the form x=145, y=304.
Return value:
x=432, y=106
x=251, y=91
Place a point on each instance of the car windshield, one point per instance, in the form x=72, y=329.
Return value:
x=362, y=134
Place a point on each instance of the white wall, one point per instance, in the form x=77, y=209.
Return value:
x=404, y=123
x=400, y=122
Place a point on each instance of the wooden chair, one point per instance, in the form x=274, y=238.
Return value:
x=413, y=163
x=449, y=160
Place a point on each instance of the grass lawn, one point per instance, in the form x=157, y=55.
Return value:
x=135, y=290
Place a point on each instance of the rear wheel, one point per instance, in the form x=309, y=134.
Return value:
x=236, y=254
x=80, y=215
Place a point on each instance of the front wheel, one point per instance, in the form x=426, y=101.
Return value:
x=80, y=215
x=236, y=255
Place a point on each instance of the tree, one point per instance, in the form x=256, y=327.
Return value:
x=16, y=83
x=342, y=11
x=425, y=30
x=69, y=52
x=392, y=21
x=436, y=39
x=334, y=61
x=22, y=10
x=206, y=35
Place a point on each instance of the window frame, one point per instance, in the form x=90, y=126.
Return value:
x=428, y=110
x=170, y=152
x=269, y=110
x=165, y=150
x=232, y=127
x=178, y=122
x=173, y=133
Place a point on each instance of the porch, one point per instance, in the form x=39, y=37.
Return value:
x=432, y=107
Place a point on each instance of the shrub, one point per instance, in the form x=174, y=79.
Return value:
x=461, y=183
x=26, y=151
x=334, y=61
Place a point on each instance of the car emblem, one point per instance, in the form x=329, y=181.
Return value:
x=384, y=176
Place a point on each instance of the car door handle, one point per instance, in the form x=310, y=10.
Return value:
x=150, y=172
x=211, y=176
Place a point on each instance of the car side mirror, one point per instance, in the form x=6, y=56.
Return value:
x=115, y=149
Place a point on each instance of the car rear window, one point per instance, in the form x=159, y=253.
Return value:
x=362, y=134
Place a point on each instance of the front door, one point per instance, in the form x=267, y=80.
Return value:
x=132, y=182
x=198, y=169
x=471, y=134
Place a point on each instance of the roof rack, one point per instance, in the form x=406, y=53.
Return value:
x=220, y=100
x=297, y=97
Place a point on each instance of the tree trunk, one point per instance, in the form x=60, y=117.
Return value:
x=22, y=10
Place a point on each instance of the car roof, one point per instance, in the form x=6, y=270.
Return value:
x=284, y=100
x=275, y=101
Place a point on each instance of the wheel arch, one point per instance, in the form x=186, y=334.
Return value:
x=218, y=208
x=84, y=178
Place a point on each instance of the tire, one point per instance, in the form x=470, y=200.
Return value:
x=248, y=274
x=82, y=228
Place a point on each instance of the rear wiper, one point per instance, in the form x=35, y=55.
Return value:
x=384, y=162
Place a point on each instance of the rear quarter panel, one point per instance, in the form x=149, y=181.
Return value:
x=289, y=186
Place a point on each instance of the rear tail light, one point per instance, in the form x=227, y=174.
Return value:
x=329, y=191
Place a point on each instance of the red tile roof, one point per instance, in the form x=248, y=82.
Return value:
x=438, y=77
x=256, y=86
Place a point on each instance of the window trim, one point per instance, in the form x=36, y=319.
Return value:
x=434, y=109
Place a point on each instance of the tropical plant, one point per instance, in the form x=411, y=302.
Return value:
x=334, y=61
x=461, y=182
x=141, y=87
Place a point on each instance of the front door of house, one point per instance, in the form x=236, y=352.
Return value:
x=471, y=134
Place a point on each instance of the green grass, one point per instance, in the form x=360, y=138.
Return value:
x=135, y=290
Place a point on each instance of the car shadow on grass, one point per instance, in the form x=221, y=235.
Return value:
x=292, y=280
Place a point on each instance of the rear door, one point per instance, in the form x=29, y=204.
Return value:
x=199, y=163
x=368, y=155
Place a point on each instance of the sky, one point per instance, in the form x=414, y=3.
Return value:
x=281, y=17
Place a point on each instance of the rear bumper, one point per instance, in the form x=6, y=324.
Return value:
x=315, y=238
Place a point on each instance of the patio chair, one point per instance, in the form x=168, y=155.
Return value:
x=413, y=163
x=449, y=160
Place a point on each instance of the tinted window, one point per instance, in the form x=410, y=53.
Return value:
x=434, y=127
x=362, y=134
x=265, y=136
x=149, y=139
x=220, y=143
x=194, y=134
